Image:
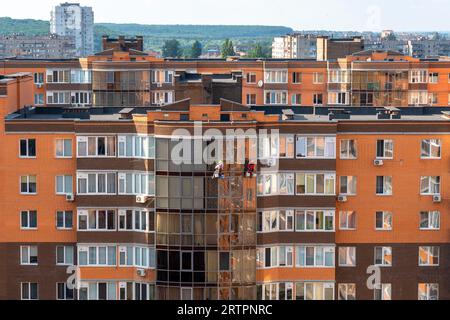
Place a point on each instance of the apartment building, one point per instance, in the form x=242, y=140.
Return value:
x=37, y=47
x=90, y=178
x=128, y=77
x=294, y=46
x=71, y=19
x=333, y=193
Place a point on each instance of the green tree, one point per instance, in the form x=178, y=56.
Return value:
x=196, y=49
x=171, y=48
x=256, y=52
x=227, y=48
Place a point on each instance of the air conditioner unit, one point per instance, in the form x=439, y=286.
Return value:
x=141, y=199
x=342, y=198
x=378, y=162
x=39, y=85
x=159, y=85
x=70, y=197
x=437, y=198
x=141, y=272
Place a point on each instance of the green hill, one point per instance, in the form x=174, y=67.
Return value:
x=155, y=35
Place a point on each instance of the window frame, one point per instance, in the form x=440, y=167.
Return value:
x=28, y=213
x=27, y=147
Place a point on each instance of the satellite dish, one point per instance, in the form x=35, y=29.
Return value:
x=260, y=83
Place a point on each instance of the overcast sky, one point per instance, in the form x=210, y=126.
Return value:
x=357, y=15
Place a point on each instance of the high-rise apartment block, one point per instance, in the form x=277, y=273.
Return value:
x=71, y=19
x=328, y=169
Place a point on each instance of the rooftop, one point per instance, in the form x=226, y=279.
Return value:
x=285, y=113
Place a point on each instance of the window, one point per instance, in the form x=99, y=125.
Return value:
x=314, y=291
x=160, y=98
x=28, y=219
x=136, y=183
x=80, y=76
x=432, y=98
x=315, y=184
x=338, y=98
x=58, y=97
x=28, y=185
x=38, y=78
x=275, y=221
x=384, y=185
x=64, y=185
x=428, y=256
x=338, y=76
x=64, y=220
x=275, y=184
x=274, y=257
x=137, y=256
x=418, y=76
x=431, y=149
x=186, y=260
x=297, y=77
x=63, y=292
x=318, y=99
x=347, y=220
x=39, y=99
x=347, y=256
x=251, y=77
x=316, y=147
x=385, y=149
x=317, y=77
x=58, y=76
x=96, y=183
x=286, y=146
x=347, y=291
x=275, y=76
x=224, y=261
x=433, y=77
x=296, y=99
x=383, y=293
x=64, y=255
x=383, y=256
x=136, y=220
x=276, y=97
x=81, y=98
x=96, y=146
x=417, y=98
x=29, y=291
x=28, y=148
x=428, y=291
x=251, y=99
x=314, y=256
x=28, y=255
x=162, y=76
x=63, y=148
x=347, y=185
x=96, y=220
x=383, y=220
x=348, y=149
x=97, y=291
x=430, y=185
x=136, y=147
x=429, y=220
x=312, y=221
x=97, y=255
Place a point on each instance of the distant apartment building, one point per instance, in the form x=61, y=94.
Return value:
x=37, y=47
x=332, y=49
x=71, y=19
x=294, y=46
x=428, y=48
